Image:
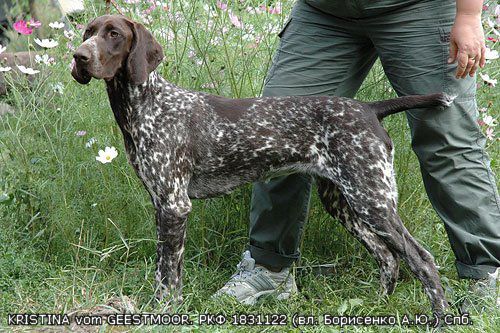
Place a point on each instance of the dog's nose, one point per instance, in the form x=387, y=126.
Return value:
x=82, y=56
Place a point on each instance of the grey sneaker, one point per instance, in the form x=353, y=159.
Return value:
x=483, y=294
x=252, y=281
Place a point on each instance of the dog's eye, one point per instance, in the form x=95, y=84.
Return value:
x=113, y=34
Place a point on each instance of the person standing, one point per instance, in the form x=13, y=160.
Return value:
x=327, y=47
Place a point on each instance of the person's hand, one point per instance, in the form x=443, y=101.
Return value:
x=467, y=44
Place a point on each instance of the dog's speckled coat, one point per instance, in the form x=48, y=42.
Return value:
x=186, y=144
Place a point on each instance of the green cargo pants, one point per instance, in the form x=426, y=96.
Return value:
x=327, y=48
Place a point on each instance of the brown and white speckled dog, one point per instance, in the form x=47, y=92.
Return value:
x=186, y=144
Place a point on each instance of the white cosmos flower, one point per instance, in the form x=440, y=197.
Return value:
x=107, y=155
x=272, y=28
x=27, y=70
x=5, y=69
x=69, y=34
x=46, y=43
x=210, y=85
x=58, y=88
x=2, y=48
x=45, y=59
x=248, y=37
x=491, y=54
x=56, y=25
x=490, y=23
x=486, y=78
x=489, y=120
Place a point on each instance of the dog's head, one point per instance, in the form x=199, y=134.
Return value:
x=113, y=43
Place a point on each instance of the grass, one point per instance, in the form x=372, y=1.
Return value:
x=75, y=233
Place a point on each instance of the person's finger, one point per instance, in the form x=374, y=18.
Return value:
x=470, y=64
x=463, y=59
x=477, y=60
x=483, y=56
x=453, y=52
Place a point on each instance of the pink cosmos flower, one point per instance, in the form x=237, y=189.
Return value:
x=275, y=10
x=490, y=134
x=22, y=27
x=34, y=24
x=26, y=27
x=235, y=21
x=150, y=9
x=221, y=5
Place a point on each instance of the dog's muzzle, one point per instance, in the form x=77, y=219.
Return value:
x=79, y=73
x=80, y=66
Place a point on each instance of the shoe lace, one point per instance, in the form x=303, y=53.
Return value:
x=245, y=267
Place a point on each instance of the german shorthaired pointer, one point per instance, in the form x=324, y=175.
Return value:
x=185, y=145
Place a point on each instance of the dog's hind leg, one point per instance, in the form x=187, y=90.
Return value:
x=370, y=191
x=336, y=205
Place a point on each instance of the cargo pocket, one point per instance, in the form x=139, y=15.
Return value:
x=464, y=107
x=282, y=31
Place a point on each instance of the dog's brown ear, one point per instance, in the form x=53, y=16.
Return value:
x=145, y=54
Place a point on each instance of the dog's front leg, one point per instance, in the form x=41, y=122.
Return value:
x=171, y=218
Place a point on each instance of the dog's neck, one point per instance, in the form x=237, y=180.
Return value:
x=128, y=100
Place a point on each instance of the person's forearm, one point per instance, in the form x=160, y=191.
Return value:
x=469, y=7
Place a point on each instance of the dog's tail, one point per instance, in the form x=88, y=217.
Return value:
x=385, y=108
